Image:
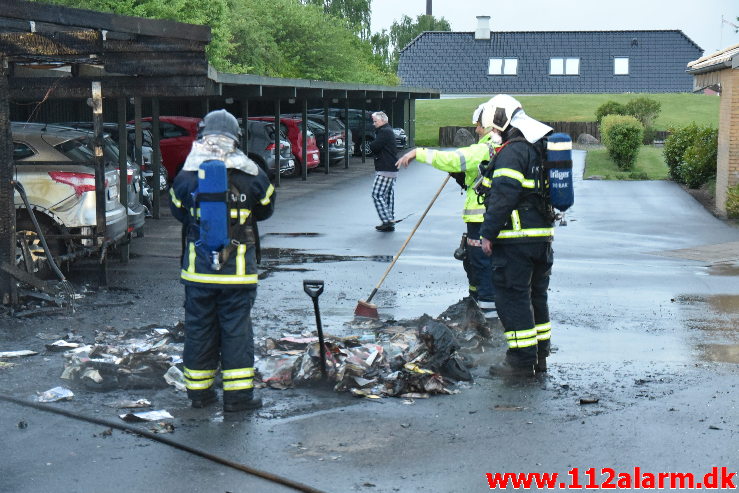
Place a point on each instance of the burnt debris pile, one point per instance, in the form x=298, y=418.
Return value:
x=409, y=358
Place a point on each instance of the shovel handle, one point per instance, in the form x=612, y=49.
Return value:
x=313, y=288
x=420, y=219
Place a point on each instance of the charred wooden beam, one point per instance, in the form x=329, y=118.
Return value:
x=31, y=88
x=149, y=44
x=161, y=64
x=65, y=16
x=51, y=44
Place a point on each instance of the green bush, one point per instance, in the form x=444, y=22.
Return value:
x=622, y=136
x=675, y=146
x=732, y=202
x=646, y=110
x=609, y=108
x=699, y=161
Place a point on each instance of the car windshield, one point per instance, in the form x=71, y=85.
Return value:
x=76, y=149
x=110, y=151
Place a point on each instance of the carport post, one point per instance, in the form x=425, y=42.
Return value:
x=123, y=167
x=349, y=141
x=8, y=293
x=97, y=125
x=304, y=138
x=363, y=129
x=245, y=128
x=277, y=141
x=139, y=138
x=412, y=122
x=156, y=157
x=325, y=134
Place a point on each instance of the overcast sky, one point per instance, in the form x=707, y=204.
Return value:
x=700, y=20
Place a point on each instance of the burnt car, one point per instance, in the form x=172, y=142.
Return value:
x=61, y=191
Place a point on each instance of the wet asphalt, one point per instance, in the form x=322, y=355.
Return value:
x=645, y=307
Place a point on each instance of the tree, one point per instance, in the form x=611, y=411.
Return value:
x=356, y=13
x=404, y=31
x=285, y=38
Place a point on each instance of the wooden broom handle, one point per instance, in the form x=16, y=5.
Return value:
x=418, y=223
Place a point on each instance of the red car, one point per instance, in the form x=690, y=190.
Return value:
x=176, y=135
x=293, y=128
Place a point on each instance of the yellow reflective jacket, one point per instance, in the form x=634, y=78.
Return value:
x=465, y=160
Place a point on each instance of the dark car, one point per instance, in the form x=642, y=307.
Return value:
x=261, y=148
x=336, y=137
x=355, y=125
x=336, y=143
x=293, y=129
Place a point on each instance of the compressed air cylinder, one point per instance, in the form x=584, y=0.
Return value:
x=212, y=195
x=559, y=168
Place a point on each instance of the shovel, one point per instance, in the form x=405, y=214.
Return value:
x=364, y=307
x=314, y=289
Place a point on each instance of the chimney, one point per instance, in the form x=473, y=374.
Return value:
x=428, y=7
x=483, y=27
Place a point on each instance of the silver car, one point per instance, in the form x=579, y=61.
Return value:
x=62, y=195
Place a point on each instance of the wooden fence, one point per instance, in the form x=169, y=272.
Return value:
x=574, y=129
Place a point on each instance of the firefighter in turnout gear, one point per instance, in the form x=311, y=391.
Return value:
x=220, y=281
x=517, y=232
x=464, y=163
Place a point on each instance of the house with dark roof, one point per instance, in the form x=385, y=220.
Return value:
x=488, y=62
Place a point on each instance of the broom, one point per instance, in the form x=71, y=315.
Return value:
x=364, y=307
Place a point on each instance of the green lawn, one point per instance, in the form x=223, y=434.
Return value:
x=650, y=165
x=677, y=109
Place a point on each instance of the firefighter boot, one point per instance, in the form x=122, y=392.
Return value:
x=242, y=405
x=204, y=400
x=541, y=364
x=505, y=369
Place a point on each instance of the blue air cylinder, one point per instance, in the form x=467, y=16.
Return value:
x=559, y=169
x=212, y=195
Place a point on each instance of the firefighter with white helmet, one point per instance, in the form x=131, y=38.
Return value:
x=517, y=233
x=463, y=164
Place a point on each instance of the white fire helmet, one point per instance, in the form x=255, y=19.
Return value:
x=476, y=114
x=498, y=112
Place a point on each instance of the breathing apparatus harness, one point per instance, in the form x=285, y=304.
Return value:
x=219, y=233
x=553, y=187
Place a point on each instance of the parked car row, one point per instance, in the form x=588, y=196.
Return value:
x=146, y=148
x=355, y=125
x=54, y=165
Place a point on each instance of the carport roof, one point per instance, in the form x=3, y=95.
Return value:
x=55, y=52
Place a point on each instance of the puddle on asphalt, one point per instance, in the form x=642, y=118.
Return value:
x=722, y=353
x=295, y=256
x=294, y=235
x=719, y=321
x=280, y=259
x=724, y=270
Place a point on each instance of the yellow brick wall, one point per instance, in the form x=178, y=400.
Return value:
x=727, y=166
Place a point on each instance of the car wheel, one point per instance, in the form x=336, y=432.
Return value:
x=297, y=170
x=29, y=251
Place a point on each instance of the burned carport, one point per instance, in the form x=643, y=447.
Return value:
x=62, y=64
